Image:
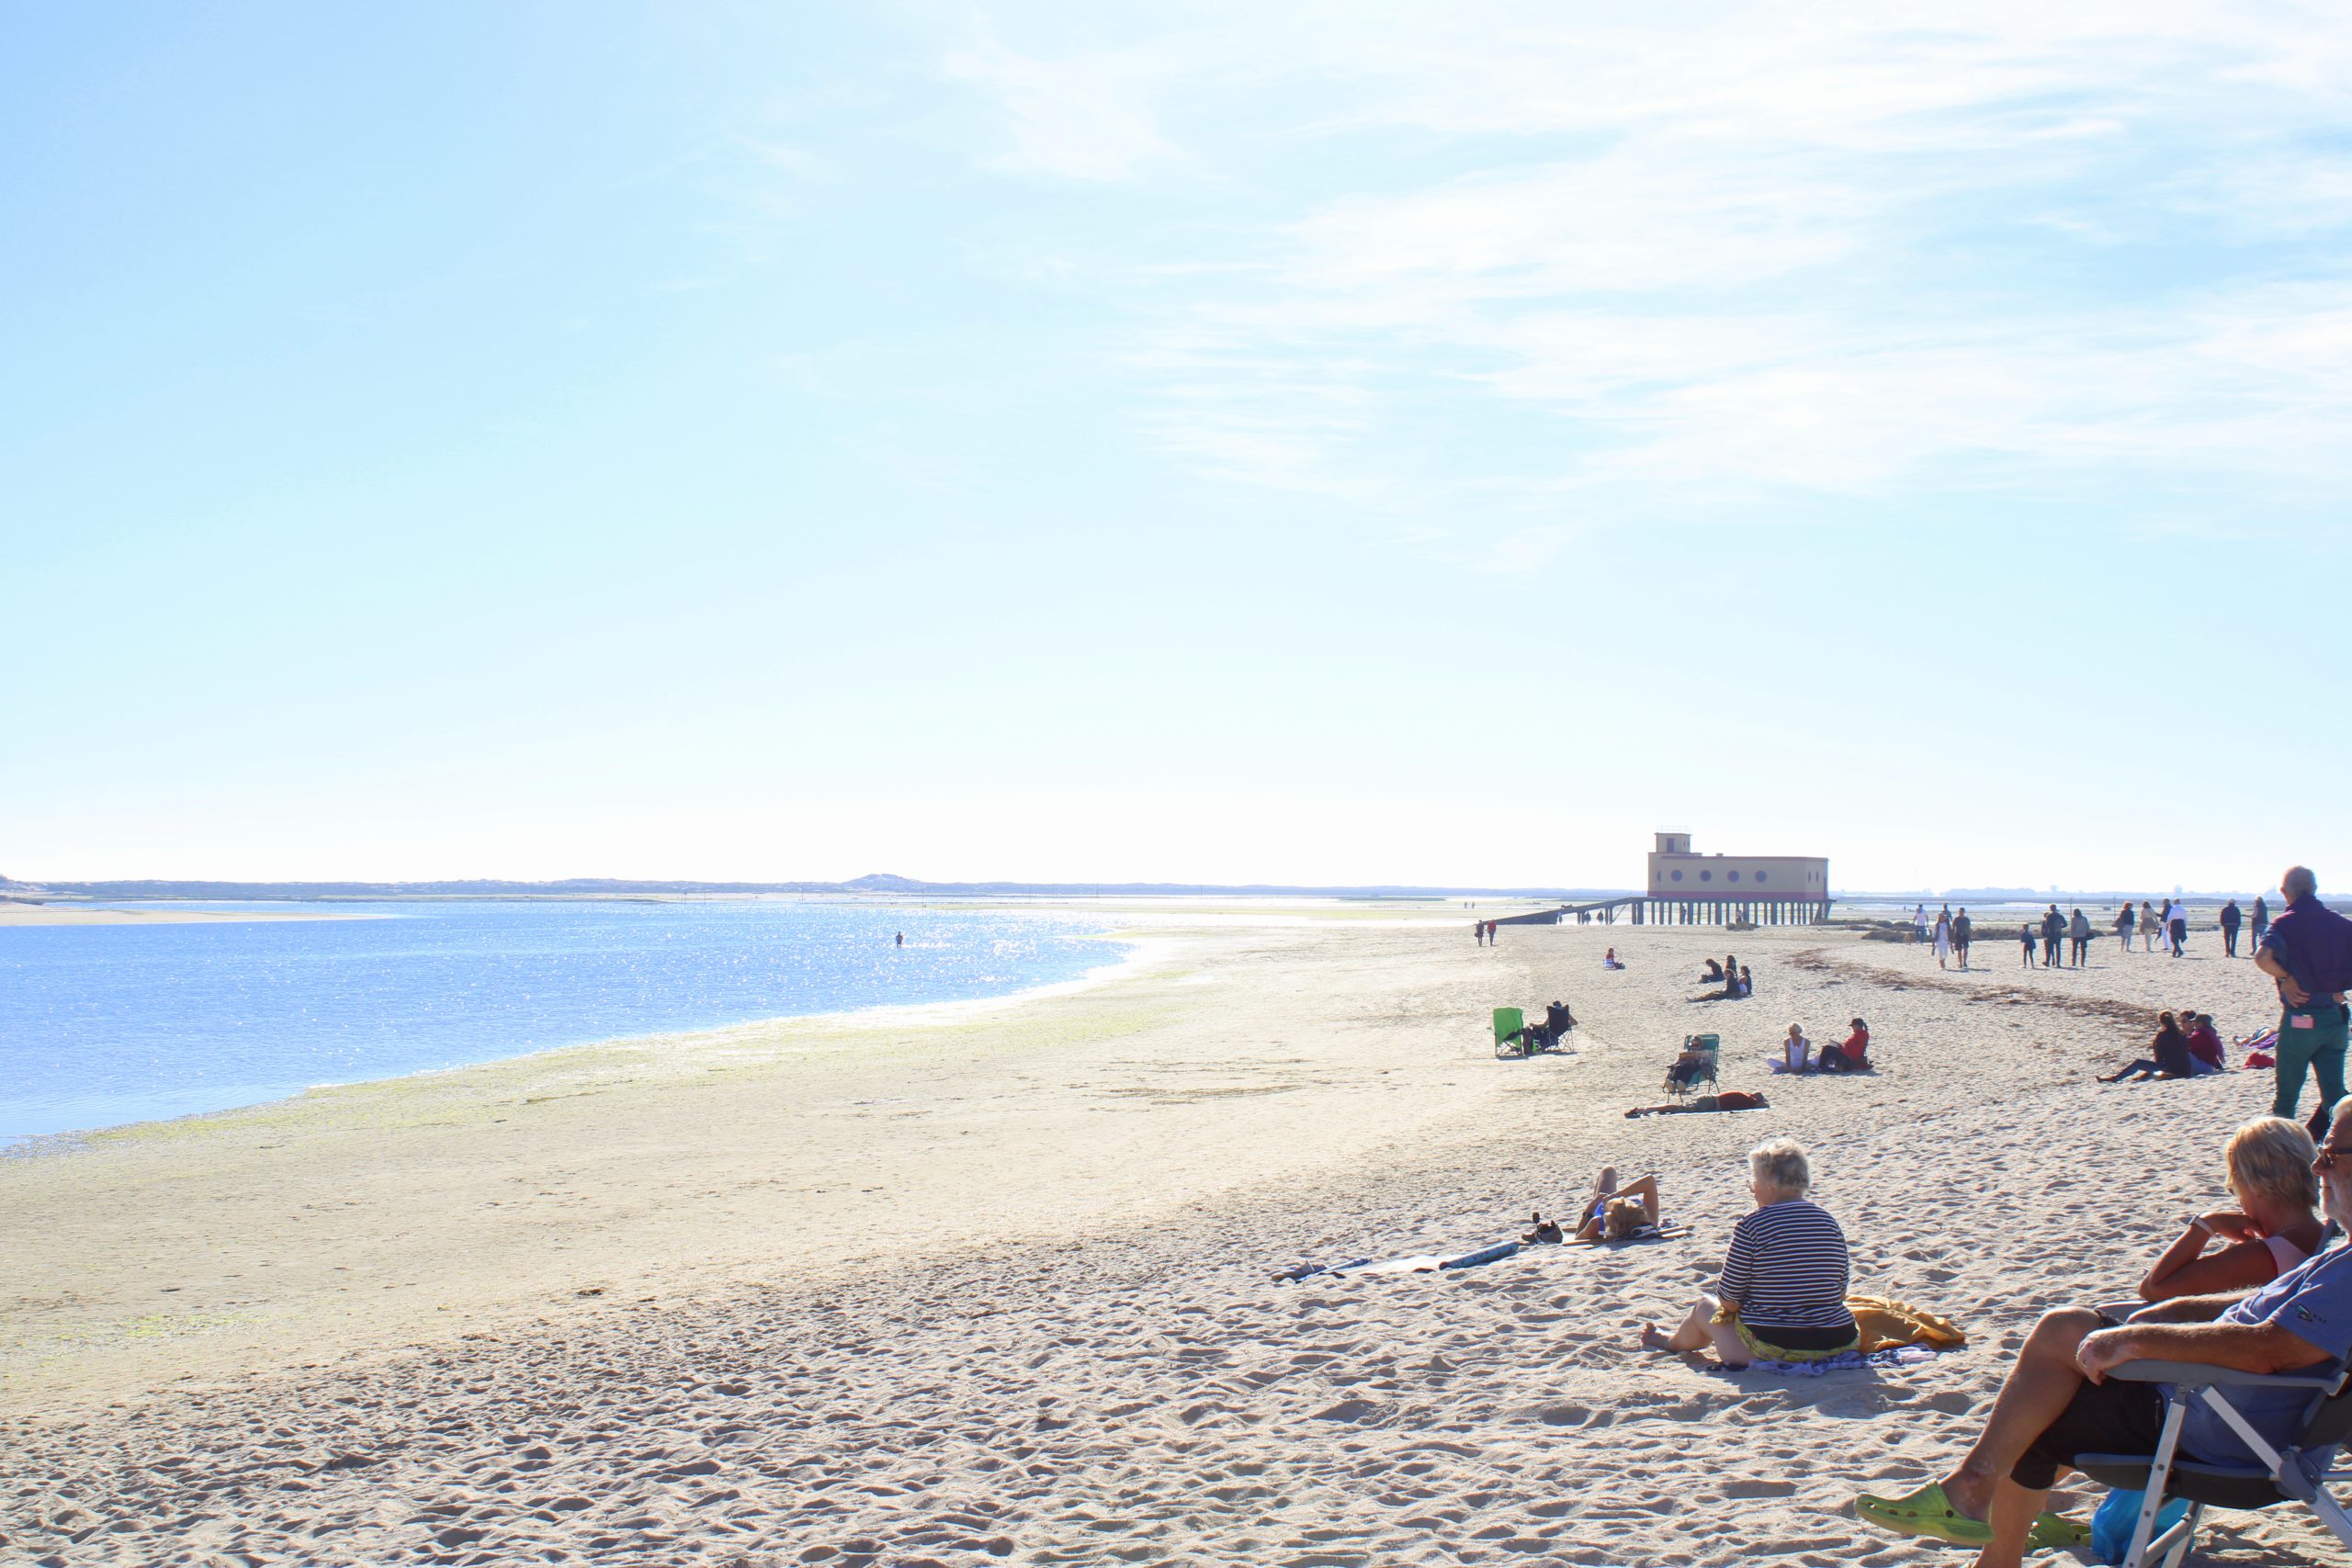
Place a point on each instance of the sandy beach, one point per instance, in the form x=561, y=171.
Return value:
x=993, y=1284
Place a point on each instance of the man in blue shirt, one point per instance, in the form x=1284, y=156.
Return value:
x=2307, y=951
x=2058, y=1401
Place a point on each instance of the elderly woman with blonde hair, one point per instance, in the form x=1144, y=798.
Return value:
x=1782, y=1293
x=2275, y=1226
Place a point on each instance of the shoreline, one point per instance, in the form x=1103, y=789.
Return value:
x=44, y=1145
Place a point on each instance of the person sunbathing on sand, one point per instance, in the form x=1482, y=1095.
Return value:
x=2272, y=1229
x=1613, y=1213
x=1729, y=1099
x=1781, y=1296
x=2058, y=1400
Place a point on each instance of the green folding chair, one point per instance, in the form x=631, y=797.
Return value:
x=1509, y=1038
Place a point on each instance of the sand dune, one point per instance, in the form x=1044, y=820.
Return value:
x=997, y=1287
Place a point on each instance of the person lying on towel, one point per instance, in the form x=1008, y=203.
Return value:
x=2059, y=1401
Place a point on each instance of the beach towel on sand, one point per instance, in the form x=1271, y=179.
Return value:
x=1844, y=1361
x=1883, y=1322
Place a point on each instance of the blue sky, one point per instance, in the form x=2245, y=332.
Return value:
x=1371, y=443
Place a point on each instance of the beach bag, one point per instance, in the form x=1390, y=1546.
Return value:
x=2112, y=1526
x=2261, y=1059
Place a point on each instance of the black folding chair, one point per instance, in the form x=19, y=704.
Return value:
x=2299, y=1473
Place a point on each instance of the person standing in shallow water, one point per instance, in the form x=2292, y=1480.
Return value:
x=902, y=939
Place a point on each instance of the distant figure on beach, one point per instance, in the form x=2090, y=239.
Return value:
x=2124, y=924
x=1729, y=1099
x=1478, y=932
x=1920, y=923
x=2205, y=1053
x=1746, y=986
x=2259, y=922
x=2053, y=927
x=2169, y=1055
x=2078, y=935
x=1781, y=1296
x=902, y=939
x=2148, y=924
x=1943, y=940
x=2176, y=926
x=1557, y=1022
x=2273, y=1228
x=2058, y=1401
x=1609, y=960
x=2232, y=919
x=1712, y=976
x=2307, y=951
x=1492, y=926
x=1796, y=1053
x=2025, y=935
x=1851, y=1055
x=1963, y=931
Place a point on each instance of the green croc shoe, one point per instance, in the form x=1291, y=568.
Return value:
x=1927, y=1512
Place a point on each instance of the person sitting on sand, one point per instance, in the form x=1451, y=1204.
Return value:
x=2205, y=1053
x=1746, y=986
x=1689, y=1067
x=1714, y=977
x=2274, y=1226
x=1729, y=1099
x=1616, y=1212
x=1781, y=1296
x=1796, y=1053
x=2170, y=1049
x=2059, y=1401
x=1610, y=960
x=1851, y=1055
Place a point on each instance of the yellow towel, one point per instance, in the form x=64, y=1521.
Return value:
x=1883, y=1321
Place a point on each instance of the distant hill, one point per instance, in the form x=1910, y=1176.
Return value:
x=876, y=882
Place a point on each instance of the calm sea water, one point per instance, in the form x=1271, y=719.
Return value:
x=106, y=1024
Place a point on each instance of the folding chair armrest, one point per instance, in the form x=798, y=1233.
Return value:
x=2195, y=1374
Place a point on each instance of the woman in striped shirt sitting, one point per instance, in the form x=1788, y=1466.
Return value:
x=1782, y=1295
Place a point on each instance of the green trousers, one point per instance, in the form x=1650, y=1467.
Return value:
x=2317, y=1047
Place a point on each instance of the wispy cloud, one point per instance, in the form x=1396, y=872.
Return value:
x=1733, y=250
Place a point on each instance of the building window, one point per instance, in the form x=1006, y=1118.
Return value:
x=1706, y=876
x=1763, y=876
x=1735, y=876
x=1677, y=877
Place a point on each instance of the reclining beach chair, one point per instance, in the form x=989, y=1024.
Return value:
x=1511, y=1036
x=2300, y=1473
x=1709, y=1047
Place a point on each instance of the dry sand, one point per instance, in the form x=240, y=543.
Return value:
x=990, y=1284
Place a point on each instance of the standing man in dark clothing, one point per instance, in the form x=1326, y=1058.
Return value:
x=2308, y=950
x=2260, y=923
x=1961, y=930
x=2230, y=920
x=2054, y=926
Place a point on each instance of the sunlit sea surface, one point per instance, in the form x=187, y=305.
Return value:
x=101, y=1025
